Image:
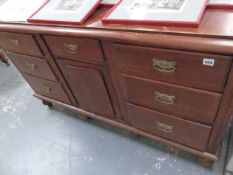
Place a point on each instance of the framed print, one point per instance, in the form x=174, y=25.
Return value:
x=64, y=11
x=222, y=4
x=160, y=12
x=109, y=2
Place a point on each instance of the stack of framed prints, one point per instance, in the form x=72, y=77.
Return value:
x=163, y=12
x=109, y=2
x=225, y=4
x=73, y=12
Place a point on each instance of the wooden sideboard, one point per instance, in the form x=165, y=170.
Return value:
x=173, y=85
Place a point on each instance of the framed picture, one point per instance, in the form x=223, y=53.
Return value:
x=222, y=4
x=73, y=12
x=109, y=3
x=160, y=12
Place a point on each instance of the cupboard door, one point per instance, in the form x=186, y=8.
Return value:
x=88, y=87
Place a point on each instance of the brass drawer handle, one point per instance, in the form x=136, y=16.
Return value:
x=165, y=128
x=71, y=48
x=164, y=65
x=14, y=42
x=46, y=89
x=31, y=66
x=164, y=98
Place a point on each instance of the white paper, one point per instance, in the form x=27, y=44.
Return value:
x=208, y=62
x=18, y=10
x=153, y=5
x=109, y=1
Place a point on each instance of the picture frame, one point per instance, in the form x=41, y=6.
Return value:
x=67, y=12
x=220, y=4
x=157, y=12
x=109, y=3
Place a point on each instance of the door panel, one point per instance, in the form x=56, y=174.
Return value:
x=88, y=87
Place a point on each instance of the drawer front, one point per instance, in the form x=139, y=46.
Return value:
x=182, y=68
x=75, y=48
x=20, y=43
x=192, y=104
x=89, y=87
x=188, y=133
x=47, y=88
x=33, y=66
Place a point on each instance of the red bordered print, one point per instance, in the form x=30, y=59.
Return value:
x=105, y=19
x=32, y=20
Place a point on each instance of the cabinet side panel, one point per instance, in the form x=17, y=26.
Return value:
x=223, y=116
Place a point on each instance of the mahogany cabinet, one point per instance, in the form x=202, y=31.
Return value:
x=173, y=85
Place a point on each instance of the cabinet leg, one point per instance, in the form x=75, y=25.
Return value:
x=205, y=162
x=4, y=60
x=83, y=117
x=47, y=103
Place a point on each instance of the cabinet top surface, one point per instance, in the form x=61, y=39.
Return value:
x=215, y=23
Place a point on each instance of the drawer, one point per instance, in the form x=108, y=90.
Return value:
x=185, y=132
x=182, y=68
x=32, y=65
x=74, y=48
x=19, y=43
x=47, y=88
x=188, y=103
